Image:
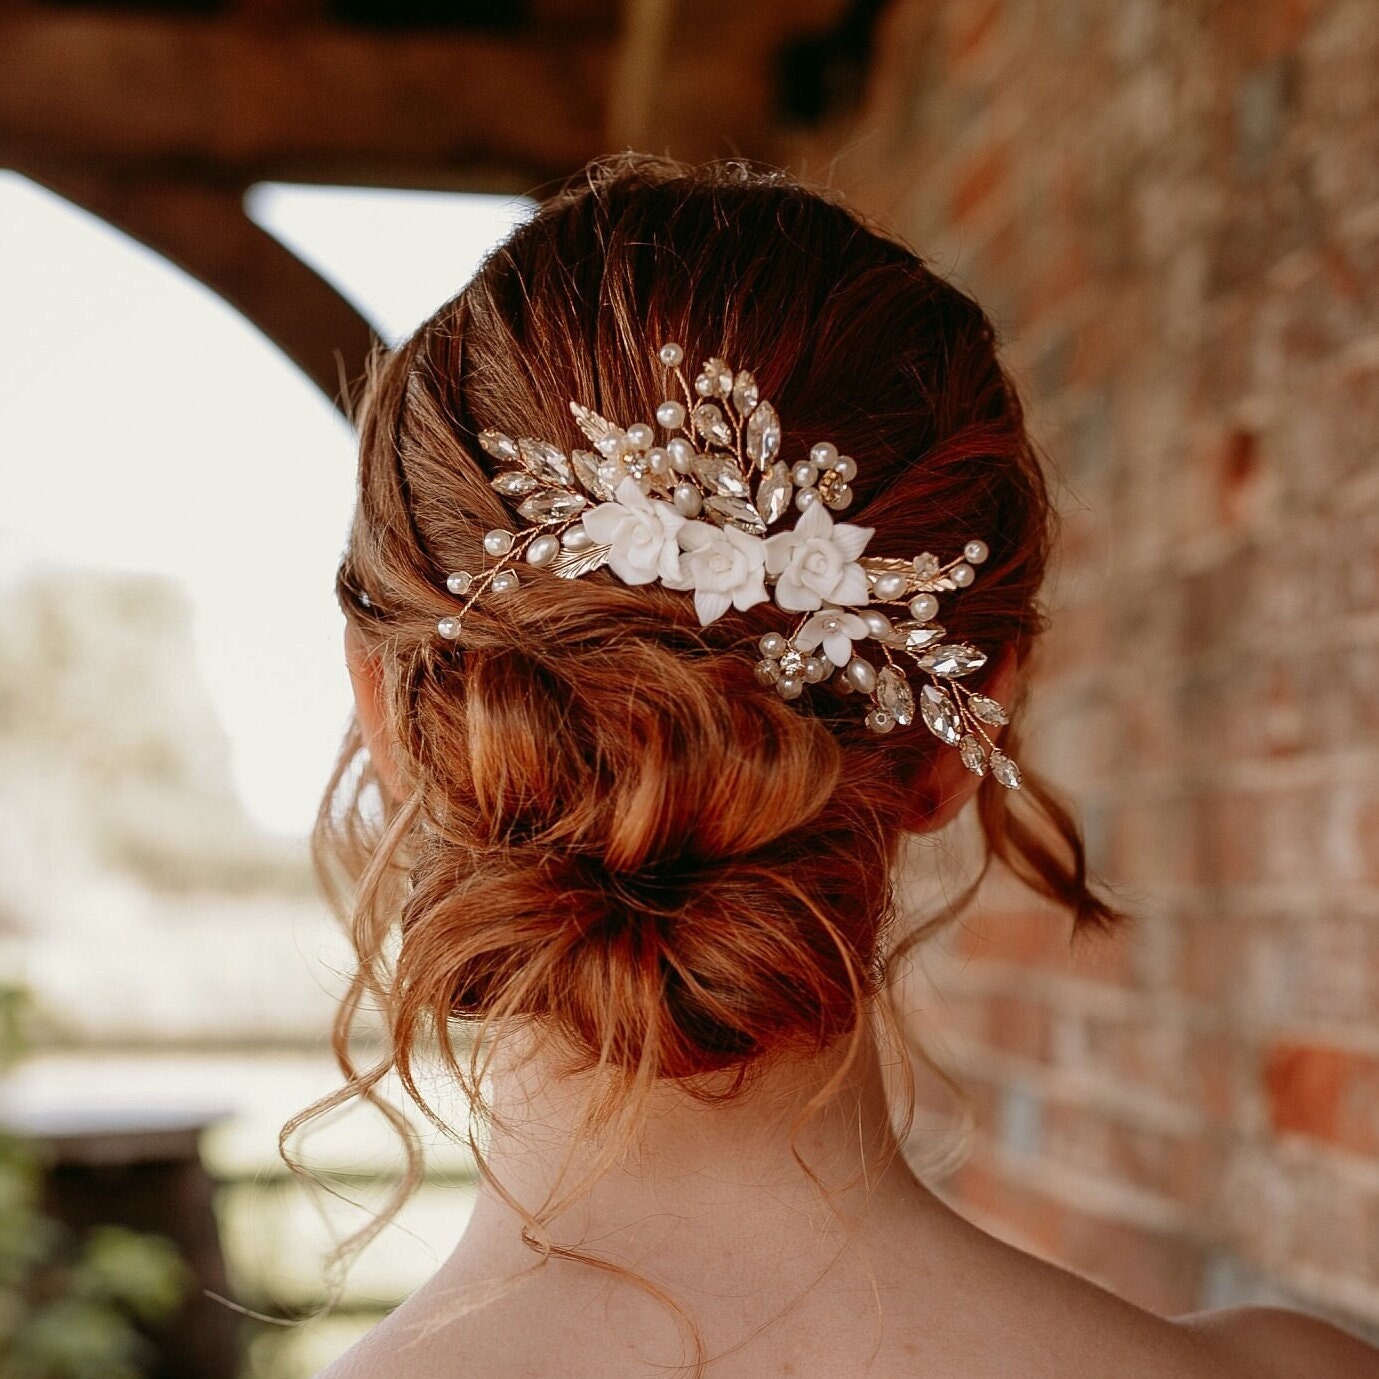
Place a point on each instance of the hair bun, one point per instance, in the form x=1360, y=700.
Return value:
x=625, y=852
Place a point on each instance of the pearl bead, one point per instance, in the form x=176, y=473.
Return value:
x=846, y=468
x=815, y=669
x=459, y=582
x=681, y=454
x=504, y=582
x=658, y=460
x=976, y=551
x=804, y=474
x=672, y=356
x=962, y=575
x=687, y=500
x=576, y=539
x=671, y=415
x=923, y=607
x=880, y=721
x=790, y=686
x=772, y=644
x=839, y=496
x=806, y=497
x=767, y=672
x=824, y=455
x=861, y=674
x=703, y=385
x=449, y=628
x=890, y=585
x=640, y=435
x=498, y=541
x=543, y=549
x=878, y=624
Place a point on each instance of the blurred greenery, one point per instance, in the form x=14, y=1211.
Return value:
x=72, y=1307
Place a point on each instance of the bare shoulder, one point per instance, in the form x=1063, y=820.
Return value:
x=378, y=1354
x=1275, y=1343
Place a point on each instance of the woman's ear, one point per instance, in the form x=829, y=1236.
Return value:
x=944, y=784
x=367, y=681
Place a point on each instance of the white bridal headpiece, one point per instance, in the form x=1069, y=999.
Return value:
x=694, y=511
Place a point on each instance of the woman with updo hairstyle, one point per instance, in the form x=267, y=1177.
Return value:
x=640, y=908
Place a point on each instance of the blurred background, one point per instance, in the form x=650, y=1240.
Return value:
x=208, y=208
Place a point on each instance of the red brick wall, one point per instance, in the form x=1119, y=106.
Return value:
x=1173, y=212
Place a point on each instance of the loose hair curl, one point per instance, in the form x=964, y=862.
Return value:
x=606, y=829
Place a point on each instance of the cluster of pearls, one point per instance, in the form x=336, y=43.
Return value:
x=825, y=476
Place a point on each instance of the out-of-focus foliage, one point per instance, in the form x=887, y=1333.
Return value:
x=72, y=1307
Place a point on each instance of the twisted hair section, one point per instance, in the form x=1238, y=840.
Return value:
x=594, y=823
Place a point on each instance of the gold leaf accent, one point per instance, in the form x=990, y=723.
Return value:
x=572, y=564
x=597, y=428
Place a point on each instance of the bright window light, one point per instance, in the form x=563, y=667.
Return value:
x=146, y=426
x=397, y=255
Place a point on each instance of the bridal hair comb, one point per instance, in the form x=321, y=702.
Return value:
x=693, y=511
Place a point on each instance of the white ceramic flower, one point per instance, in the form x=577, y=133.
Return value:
x=640, y=532
x=816, y=562
x=724, y=566
x=837, y=631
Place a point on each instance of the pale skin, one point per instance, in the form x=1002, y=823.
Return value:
x=877, y=1278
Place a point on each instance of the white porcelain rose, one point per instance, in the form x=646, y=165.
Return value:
x=640, y=533
x=837, y=631
x=816, y=562
x=725, y=567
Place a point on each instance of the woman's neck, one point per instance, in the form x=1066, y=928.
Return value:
x=707, y=1187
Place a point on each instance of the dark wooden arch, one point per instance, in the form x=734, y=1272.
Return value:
x=159, y=122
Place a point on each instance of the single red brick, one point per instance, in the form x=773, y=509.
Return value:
x=1326, y=1093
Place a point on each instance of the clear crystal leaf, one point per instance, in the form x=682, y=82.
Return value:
x=763, y=434
x=914, y=636
x=721, y=476
x=988, y=710
x=572, y=564
x=543, y=460
x=710, y=423
x=551, y=505
x=973, y=754
x=894, y=694
x=498, y=445
x=737, y=511
x=588, y=469
x=513, y=482
x=774, y=492
x=940, y=714
x=746, y=394
x=1005, y=770
x=952, y=659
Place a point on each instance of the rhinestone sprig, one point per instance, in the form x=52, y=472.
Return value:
x=720, y=463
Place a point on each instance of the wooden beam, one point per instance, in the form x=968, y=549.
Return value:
x=204, y=230
x=639, y=72
x=233, y=100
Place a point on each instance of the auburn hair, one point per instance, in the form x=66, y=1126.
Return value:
x=602, y=826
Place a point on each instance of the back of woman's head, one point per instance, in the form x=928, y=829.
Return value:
x=602, y=825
